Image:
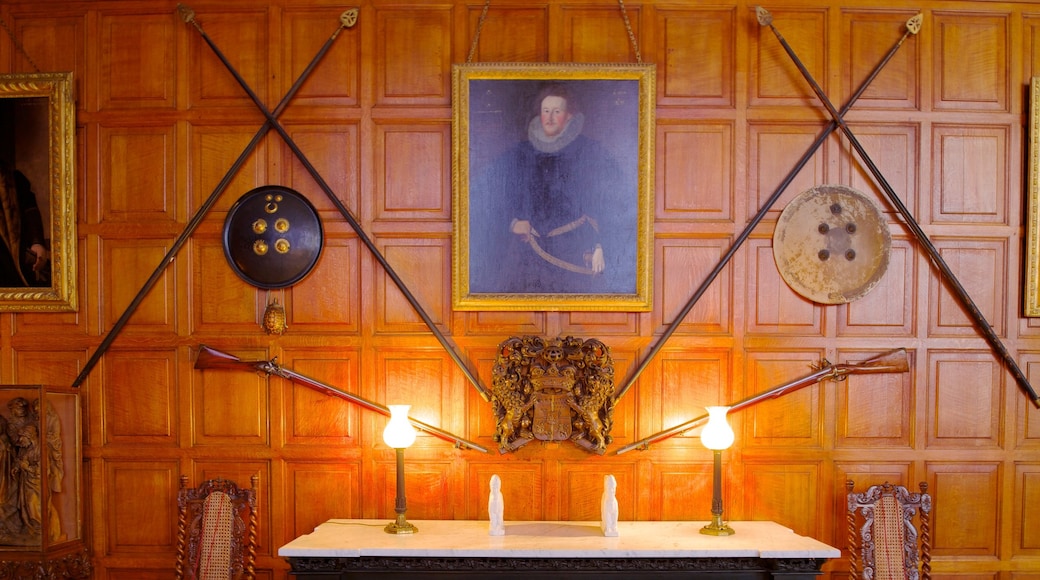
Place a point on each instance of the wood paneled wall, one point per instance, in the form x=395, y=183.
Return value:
x=161, y=121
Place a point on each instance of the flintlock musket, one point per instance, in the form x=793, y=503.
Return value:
x=210, y=358
x=893, y=361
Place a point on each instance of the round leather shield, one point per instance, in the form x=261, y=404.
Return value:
x=272, y=237
x=832, y=244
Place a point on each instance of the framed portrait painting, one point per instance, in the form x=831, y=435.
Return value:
x=37, y=194
x=552, y=174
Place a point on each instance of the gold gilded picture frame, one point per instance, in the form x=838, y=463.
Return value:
x=1031, y=293
x=552, y=170
x=37, y=193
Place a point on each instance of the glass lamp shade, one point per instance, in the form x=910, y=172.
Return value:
x=717, y=434
x=399, y=432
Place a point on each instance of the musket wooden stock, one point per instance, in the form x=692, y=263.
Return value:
x=210, y=358
x=893, y=361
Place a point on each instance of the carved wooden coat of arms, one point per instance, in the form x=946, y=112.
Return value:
x=553, y=390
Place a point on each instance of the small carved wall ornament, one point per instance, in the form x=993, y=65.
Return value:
x=553, y=389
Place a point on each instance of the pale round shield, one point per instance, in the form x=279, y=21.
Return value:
x=832, y=244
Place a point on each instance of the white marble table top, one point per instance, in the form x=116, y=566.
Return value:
x=340, y=538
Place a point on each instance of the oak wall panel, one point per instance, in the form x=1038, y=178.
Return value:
x=696, y=52
x=46, y=367
x=771, y=305
x=223, y=300
x=981, y=267
x=971, y=68
x=890, y=308
x=327, y=299
x=584, y=323
x=503, y=324
x=774, y=151
x=244, y=39
x=682, y=266
x=415, y=261
x=689, y=382
x=316, y=418
x=867, y=36
x=413, y=56
x=1027, y=415
x=418, y=378
x=580, y=482
x=970, y=174
x=410, y=160
x=429, y=487
x=231, y=408
x=894, y=150
x=787, y=492
x=331, y=149
x=789, y=421
x=682, y=488
x=141, y=399
x=874, y=410
x=1026, y=540
x=694, y=172
x=964, y=400
x=336, y=79
x=316, y=492
x=965, y=492
x=132, y=262
x=133, y=487
x=137, y=174
x=508, y=34
x=55, y=42
x=523, y=487
x=774, y=78
x=215, y=150
x=137, y=61
x=597, y=34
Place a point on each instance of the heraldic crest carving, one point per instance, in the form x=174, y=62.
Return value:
x=553, y=390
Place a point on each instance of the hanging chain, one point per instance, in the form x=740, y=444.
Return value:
x=18, y=45
x=476, y=37
x=628, y=28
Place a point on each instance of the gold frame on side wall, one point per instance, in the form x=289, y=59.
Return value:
x=1031, y=293
x=40, y=111
x=493, y=104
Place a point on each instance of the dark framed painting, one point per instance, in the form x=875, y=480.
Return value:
x=552, y=175
x=37, y=193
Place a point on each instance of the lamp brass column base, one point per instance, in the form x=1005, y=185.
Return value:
x=717, y=528
x=400, y=526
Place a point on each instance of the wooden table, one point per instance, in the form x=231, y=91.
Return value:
x=349, y=549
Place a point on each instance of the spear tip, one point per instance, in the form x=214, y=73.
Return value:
x=914, y=24
x=763, y=15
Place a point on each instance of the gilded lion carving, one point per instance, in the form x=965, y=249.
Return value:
x=553, y=390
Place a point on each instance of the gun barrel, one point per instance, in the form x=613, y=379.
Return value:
x=893, y=361
x=212, y=358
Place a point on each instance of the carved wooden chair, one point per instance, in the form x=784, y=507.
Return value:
x=216, y=530
x=883, y=542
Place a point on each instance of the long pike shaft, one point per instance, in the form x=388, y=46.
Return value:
x=933, y=253
x=912, y=27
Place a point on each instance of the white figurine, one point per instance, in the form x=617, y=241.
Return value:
x=497, y=526
x=609, y=507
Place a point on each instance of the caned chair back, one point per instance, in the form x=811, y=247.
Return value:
x=884, y=543
x=216, y=531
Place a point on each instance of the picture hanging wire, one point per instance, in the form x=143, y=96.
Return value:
x=18, y=45
x=624, y=17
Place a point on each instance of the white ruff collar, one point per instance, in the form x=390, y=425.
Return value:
x=546, y=144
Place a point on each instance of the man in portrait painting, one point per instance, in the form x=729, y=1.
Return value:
x=24, y=259
x=555, y=213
